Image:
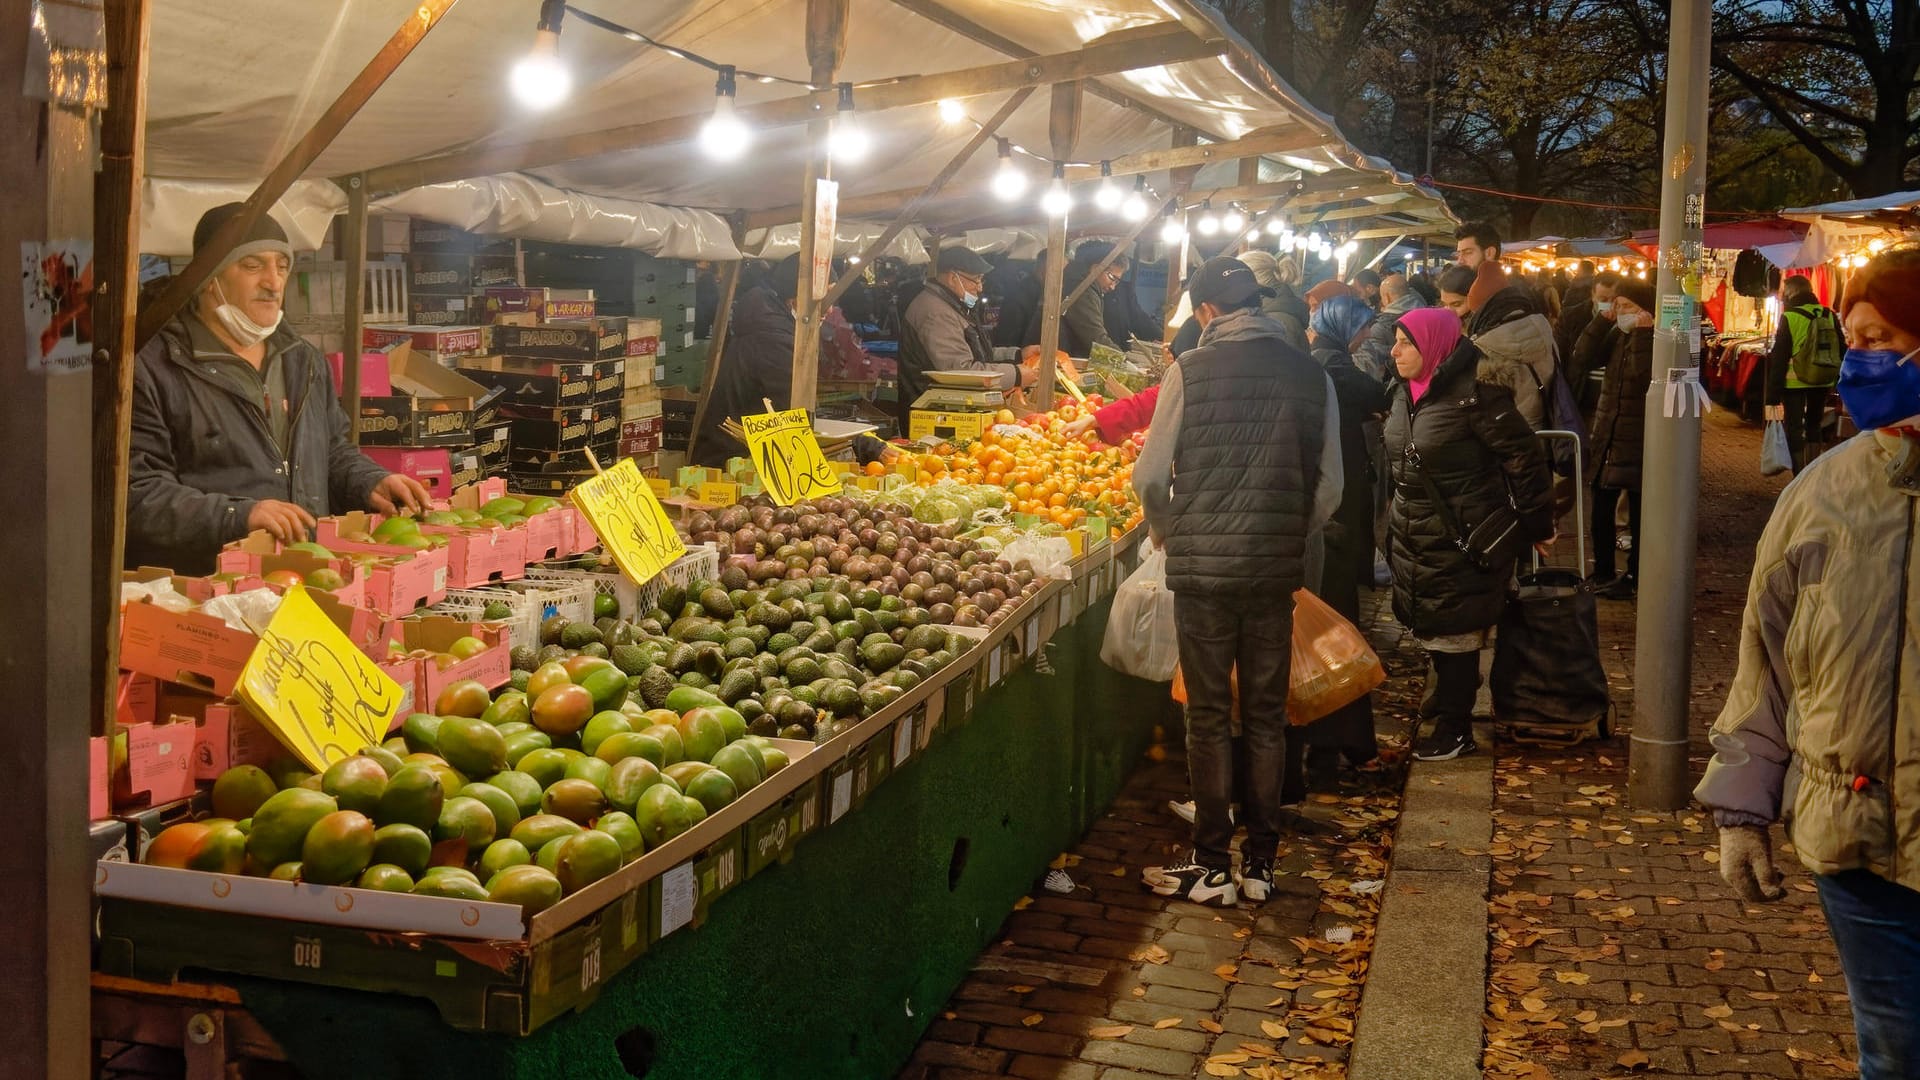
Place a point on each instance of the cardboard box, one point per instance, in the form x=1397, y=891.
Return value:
x=146, y=822
x=461, y=275
x=968, y=426
x=465, y=468
x=373, y=373
x=433, y=634
x=229, y=736
x=490, y=444
x=535, y=382
x=403, y=579
x=432, y=406
x=640, y=409
x=432, y=467
x=160, y=762
x=467, y=340
x=603, y=338
x=434, y=236
x=477, y=556
x=99, y=779
x=425, y=310
x=257, y=554
x=543, y=303
x=549, y=430
x=196, y=650
x=609, y=382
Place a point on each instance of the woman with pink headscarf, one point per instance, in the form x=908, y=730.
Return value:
x=1471, y=491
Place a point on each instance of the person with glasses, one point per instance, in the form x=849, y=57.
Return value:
x=941, y=331
x=1084, y=325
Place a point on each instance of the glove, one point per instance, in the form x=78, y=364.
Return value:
x=1746, y=862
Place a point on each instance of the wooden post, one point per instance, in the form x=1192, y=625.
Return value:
x=716, y=349
x=353, y=243
x=48, y=655
x=1063, y=131
x=1249, y=176
x=1177, y=254
x=1123, y=248
x=826, y=47
x=914, y=205
x=116, y=212
x=420, y=20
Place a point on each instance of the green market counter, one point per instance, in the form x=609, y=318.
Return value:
x=913, y=845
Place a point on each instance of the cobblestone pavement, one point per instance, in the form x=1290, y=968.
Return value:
x=1617, y=949
x=1116, y=983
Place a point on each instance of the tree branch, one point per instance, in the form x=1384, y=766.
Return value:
x=1832, y=159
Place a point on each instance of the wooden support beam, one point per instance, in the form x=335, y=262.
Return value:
x=1365, y=210
x=1382, y=253
x=1063, y=131
x=826, y=50
x=353, y=253
x=1163, y=46
x=912, y=209
x=1260, y=219
x=1182, y=177
x=422, y=19
x=1291, y=140
x=936, y=13
x=716, y=349
x=116, y=277
x=1121, y=248
x=1431, y=229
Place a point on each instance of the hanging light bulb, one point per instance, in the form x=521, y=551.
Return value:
x=952, y=113
x=1641, y=274
x=1301, y=242
x=1058, y=200
x=1614, y=266
x=849, y=142
x=1233, y=220
x=1350, y=247
x=1172, y=232
x=1876, y=245
x=853, y=260
x=540, y=80
x=1108, y=195
x=1209, y=222
x=1009, y=183
x=1134, y=207
x=724, y=137
x=1276, y=227
x=1254, y=235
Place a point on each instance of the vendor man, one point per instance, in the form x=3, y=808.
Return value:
x=235, y=422
x=941, y=331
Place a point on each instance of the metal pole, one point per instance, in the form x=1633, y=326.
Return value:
x=1663, y=635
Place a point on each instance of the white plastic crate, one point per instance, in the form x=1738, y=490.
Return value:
x=700, y=561
x=533, y=601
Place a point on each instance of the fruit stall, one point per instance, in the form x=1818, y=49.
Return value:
x=830, y=744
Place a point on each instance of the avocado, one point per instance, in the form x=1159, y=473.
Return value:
x=734, y=577
x=779, y=643
x=881, y=656
x=695, y=680
x=736, y=685
x=594, y=649
x=575, y=635
x=655, y=687
x=630, y=659
x=680, y=658
x=551, y=629
x=672, y=598
x=524, y=657
x=717, y=602
x=769, y=615
x=708, y=659
x=740, y=648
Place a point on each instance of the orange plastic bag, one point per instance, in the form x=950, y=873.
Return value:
x=1333, y=666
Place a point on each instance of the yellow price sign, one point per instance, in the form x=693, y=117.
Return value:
x=621, y=507
x=787, y=456
x=717, y=492
x=308, y=682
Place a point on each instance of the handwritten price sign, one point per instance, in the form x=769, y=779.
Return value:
x=788, y=458
x=323, y=697
x=630, y=521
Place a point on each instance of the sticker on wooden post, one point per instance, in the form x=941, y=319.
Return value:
x=787, y=456
x=630, y=521
x=313, y=687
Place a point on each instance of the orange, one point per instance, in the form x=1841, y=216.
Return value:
x=875, y=468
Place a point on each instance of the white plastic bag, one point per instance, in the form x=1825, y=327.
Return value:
x=1046, y=556
x=1141, y=640
x=1775, y=456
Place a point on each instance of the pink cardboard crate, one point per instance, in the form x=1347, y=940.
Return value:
x=376, y=376
x=432, y=467
x=229, y=736
x=258, y=554
x=160, y=761
x=404, y=579
x=433, y=634
x=199, y=651
x=476, y=556
x=99, y=766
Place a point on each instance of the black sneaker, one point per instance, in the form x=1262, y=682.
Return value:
x=1191, y=881
x=1256, y=880
x=1621, y=588
x=1444, y=746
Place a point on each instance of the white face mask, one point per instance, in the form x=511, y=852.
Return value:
x=969, y=299
x=1628, y=321
x=1604, y=307
x=242, y=329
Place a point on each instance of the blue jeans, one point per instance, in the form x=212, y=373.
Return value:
x=1876, y=924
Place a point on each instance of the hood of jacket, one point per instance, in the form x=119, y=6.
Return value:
x=1509, y=303
x=1527, y=340
x=1408, y=301
x=1243, y=325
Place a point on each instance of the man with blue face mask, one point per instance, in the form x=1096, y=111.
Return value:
x=236, y=426
x=941, y=331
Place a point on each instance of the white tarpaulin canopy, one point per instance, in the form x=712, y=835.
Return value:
x=235, y=82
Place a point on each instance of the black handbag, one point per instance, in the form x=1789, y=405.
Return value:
x=1495, y=542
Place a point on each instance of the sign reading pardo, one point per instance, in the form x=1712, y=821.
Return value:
x=323, y=697
x=630, y=521
x=788, y=458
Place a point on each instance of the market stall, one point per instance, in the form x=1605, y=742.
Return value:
x=770, y=790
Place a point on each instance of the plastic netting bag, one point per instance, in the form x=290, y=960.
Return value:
x=1775, y=456
x=1141, y=640
x=1052, y=557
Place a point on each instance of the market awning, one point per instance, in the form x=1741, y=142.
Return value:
x=230, y=121
x=1900, y=209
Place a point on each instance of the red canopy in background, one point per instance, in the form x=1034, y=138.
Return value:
x=1731, y=235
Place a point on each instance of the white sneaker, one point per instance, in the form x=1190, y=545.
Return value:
x=1186, y=810
x=1191, y=881
x=1256, y=880
x=1059, y=882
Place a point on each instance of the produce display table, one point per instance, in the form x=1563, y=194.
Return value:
x=832, y=964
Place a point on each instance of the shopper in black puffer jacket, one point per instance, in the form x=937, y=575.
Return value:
x=1466, y=442
x=1625, y=345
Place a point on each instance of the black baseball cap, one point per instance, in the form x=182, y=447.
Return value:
x=1225, y=281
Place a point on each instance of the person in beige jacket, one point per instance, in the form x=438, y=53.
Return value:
x=1821, y=727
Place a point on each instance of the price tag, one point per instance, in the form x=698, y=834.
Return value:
x=993, y=665
x=629, y=521
x=787, y=457
x=842, y=796
x=323, y=697
x=679, y=891
x=902, y=740
x=1066, y=608
x=1033, y=636
x=659, y=486
x=719, y=493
